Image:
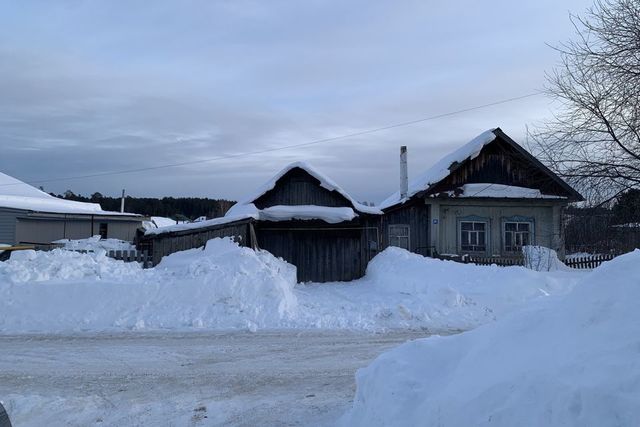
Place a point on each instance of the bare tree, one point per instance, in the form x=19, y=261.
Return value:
x=594, y=139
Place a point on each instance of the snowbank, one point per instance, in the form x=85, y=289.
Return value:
x=571, y=361
x=225, y=286
x=95, y=243
x=405, y=290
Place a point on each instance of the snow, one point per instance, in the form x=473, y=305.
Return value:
x=202, y=224
x=500, y=191
x=157, y=222
x=223, y=286
x=16, y=194
x=569, y=360
x=325, y=182
x=95, y=243
x=226, y=286
x=331, y=215
x=539, y=258
x=441, y=169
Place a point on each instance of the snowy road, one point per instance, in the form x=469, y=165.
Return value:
x=235, y=378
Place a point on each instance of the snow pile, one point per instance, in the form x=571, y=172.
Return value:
x=539, y=258
x=571, y=361
x=157, y=222
x=29, y=266
x=224, y=286
x=502, y=192
x=405, y=290
x=441, y=169
x=95, y=243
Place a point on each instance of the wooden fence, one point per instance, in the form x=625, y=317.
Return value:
x=588, y=262
x=133, y=255
x=479, y=260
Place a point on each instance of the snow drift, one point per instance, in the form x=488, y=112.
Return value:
x=570, y=361
x=225, y=286
x=222, y=286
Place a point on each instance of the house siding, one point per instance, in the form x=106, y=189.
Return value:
x=545, y=218
x=8, y=226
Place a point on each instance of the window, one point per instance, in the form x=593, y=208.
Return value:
x=103, y=230
x=399, y=236
x=516, y=235
x=473, y=236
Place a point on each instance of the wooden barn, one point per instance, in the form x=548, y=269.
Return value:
x=488, y=198
x=300, y=215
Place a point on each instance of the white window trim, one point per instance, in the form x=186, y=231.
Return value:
x=408, y=236
x=532, y=232
x=487, y=234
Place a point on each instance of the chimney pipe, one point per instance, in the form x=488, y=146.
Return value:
x=404, y=176
x=122, y=202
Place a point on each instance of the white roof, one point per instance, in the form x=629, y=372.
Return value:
x=200, y=224
x=325, y=182
x=16, y=194
x=501, y=191
x=440, y=170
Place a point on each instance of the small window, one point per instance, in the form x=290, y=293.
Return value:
x=399, y=236
x=516, y=235
x=473, y=236
x=104, y=227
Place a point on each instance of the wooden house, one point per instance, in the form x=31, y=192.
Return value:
x=488, y=198
x=300, y=215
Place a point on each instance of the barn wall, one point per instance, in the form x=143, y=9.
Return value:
x=297, y=187
x=321, y=252
x=165, y=244
x=416, y=215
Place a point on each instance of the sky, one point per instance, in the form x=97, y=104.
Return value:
x=88, y=87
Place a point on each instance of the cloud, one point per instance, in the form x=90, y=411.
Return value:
x=90, y=87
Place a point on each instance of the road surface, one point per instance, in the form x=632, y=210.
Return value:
x=185, y=379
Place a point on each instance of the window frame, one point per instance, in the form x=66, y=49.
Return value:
x=487, y=234
x=407, y=236
x=517, y=220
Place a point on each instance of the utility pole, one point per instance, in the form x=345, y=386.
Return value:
x=122, y=202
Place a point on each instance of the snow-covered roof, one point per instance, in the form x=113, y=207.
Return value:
x=16, y=194
x=331, y=215
x=441, y=169
x=200, y=224
x=325, y=182
x=500, y=191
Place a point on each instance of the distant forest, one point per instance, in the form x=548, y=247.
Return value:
x=183, y=208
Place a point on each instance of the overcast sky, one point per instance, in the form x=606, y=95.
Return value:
x=95, y=86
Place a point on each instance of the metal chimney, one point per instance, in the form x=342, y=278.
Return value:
x=404, y=176
x=122, y=202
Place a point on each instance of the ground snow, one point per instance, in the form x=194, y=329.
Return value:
x=226, y=286
x=570, y=361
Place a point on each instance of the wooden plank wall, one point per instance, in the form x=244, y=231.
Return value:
x=167, y=243
x=297, y=187
x=416, y=215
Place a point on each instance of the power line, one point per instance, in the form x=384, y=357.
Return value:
x=285, y=147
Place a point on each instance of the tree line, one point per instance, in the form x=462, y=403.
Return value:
x=179, y=208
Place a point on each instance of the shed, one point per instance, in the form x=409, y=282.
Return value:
x=300, y=215
x=31, y=216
